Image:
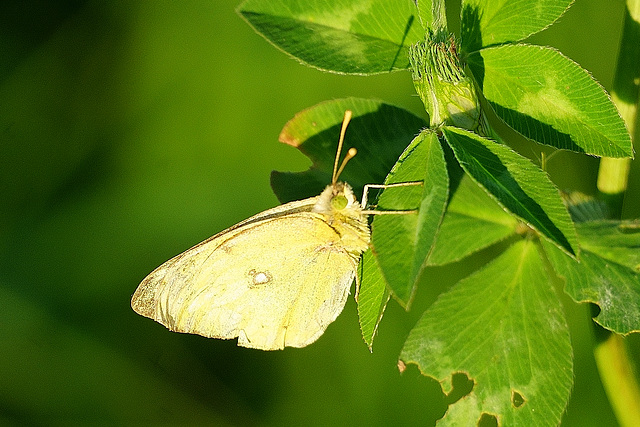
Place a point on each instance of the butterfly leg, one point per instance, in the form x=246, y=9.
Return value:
x=357, y=279
x=365, y=195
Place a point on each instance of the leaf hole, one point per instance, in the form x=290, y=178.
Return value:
x=487, y=420
x=594, y=309
x=461, y=386
x=517, y=400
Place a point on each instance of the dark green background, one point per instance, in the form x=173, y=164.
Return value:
x=130, y=131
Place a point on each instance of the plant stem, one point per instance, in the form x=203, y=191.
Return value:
x=614, y=173
x=618, y=379
x=614, y=365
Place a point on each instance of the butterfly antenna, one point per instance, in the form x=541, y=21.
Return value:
x=352, y=151
x=350, y=154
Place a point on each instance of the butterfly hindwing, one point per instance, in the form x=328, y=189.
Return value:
x=244, y=282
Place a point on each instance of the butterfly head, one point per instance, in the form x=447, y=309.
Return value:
x=338, y=198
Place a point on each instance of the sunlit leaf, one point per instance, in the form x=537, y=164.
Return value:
x=490, y=22
x=504, y=328
x=608, y=273
x=400, y=242
x=614, y=241
x=550, y=99
x=343, y=36
x=473, y=221
x=372, y=297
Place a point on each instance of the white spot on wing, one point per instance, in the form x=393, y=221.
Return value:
x=259, y=277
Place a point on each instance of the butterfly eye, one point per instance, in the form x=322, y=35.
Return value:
x=339, y=202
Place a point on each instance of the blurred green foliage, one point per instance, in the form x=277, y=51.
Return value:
x=130, y=131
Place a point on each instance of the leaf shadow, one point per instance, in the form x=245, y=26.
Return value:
x=535, y=130
x=407, y=28
x=503, y=186
x=625, y=85
x=379, y=136
x=470, y=32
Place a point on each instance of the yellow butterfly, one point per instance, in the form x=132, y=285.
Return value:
x=276, y=279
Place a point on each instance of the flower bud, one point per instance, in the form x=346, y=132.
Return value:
x=449, y=96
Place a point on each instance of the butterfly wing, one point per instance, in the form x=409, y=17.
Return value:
x=275, y=280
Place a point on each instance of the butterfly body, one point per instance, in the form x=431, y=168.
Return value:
x=276, y=279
